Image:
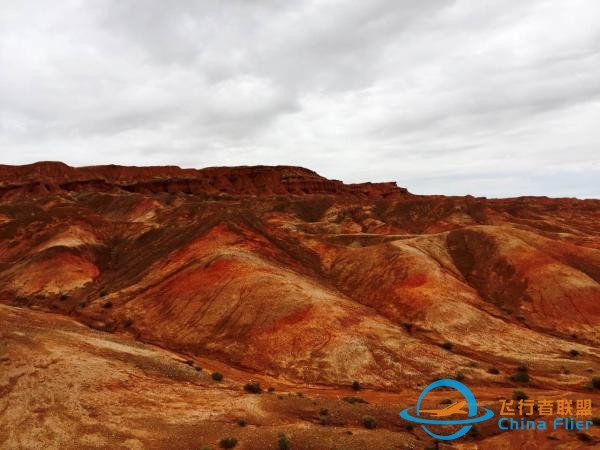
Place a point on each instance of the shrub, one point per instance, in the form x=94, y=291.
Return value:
x=283, y=442
x=596, y=382
x=103, y=293
x=519, y=395
x=574, y=353
x=409, y=427
x=242, y=422
x=355, y=386
x=353, y=400
x=271, y=389
x=369, y=422
x=63, y=297
x=300, y=394
x=217, y=376
x=493, y=370
x=459, y=377
x=521, y=376
x=596, y=420
x=206, y=447
x=447, y=346
x=127, y=323
x=407, y=326
x=107, y=305
x=446, y=401
x=324, y=420
x=324, y=412
x=189, y=362
x=253, y=387
x=229, y=442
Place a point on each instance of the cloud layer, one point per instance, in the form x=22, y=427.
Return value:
x=496, y=98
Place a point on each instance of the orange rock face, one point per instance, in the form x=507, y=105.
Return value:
x=278, y=274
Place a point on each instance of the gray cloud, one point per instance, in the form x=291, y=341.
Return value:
x=493, y=98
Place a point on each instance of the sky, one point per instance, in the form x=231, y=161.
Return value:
x=492, y=98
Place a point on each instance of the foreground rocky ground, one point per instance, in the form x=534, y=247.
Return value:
x=115, y=277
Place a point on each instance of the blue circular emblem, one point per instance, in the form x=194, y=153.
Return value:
x=471, y=404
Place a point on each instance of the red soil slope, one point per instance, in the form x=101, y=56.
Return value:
x=278, y=272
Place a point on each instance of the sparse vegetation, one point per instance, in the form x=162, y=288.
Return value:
x=283, y=442
x=228, y=442
x=519, y=395
x=356, y=386
x=217, y=376
x=369, y=422
x=447, y=346
x=494, y=370
x=253, y=388
x=521, y=375
x=353, y=400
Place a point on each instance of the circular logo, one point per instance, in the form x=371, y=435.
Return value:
x=455, y=408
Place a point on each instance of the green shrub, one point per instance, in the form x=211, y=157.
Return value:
x=447, y=346
x=355, y=386
x=519, y=395
x=228, y=442
x=521, y=376
x=283, y=442
x=217, y=376
x=253, y=388
x=369, y=422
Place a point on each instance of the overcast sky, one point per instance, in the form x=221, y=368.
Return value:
x=494, y=97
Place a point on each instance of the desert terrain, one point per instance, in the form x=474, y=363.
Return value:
x=159, y=307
